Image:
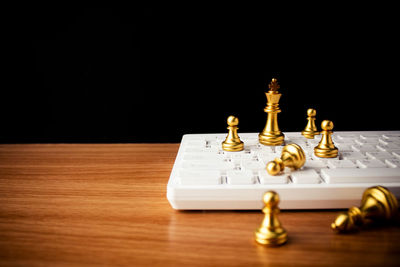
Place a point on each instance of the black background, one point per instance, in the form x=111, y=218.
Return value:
x=154, y=73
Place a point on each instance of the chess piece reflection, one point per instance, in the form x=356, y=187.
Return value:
x=292, y=156
x=271, y=135
x=271, y=231
x=326, y=148
x=311, y=129
x=377, y=204
x=232, y=141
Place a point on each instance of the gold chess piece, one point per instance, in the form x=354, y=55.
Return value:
x=271, y=231
x=311, y=129
x=232, y=141
x=271, y=135
x=292, y=156
x=326, y=148
x=377, y=204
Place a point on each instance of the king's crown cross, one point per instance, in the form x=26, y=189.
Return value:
x=274, y=86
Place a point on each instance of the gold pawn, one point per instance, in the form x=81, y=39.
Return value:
x=271, y=231
x=292, y=156
x=271, y=135
x=377, y=204
x=232, y=141
x=326, y=148
x=311, y=129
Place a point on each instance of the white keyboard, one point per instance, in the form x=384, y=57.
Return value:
x=206, y=177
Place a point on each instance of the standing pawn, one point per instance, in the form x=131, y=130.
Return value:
x=232, y=141
x=326, y=148
x=311, y=129
x=271, y=232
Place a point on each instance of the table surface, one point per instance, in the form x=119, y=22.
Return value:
x=105, y=204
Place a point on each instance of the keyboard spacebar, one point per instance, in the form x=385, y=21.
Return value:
x=369, y=175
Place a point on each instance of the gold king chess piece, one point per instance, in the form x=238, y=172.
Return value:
x=271, y=231
x=271, y=135
x=232, y=141
x=326, y=147
x=311, y=129
x=292, y=156
x=377, y=204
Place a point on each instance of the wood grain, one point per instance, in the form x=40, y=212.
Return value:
x=105, y=205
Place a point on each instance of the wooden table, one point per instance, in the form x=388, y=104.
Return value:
x=82, y=205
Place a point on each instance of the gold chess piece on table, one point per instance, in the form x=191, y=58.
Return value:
x=271, y=135
x=232, y=141
x=326, y=148
x=377, y=204
x=271, y=231
x=311, y=129
x=292, y=156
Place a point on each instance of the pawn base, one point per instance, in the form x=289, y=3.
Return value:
x=271, y=238
x=233, y=147
x=309, y=134
x=271, y=139
x=326, y=153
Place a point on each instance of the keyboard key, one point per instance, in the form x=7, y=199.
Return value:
x=313, y=142
x=346, y=139
x=370, y=175
x=250, y=142
x=301, y=143
x=391, y=135
x=393, y=163
x=389, y=147
x=382, y=147
x=388, y=142
x=194, y=150
x=352, y=155
x=383, y=141
x=265, y=178
x=214, y=148
x=237, y=158
x=396, y=153
x=277, y=149
x=267, y=149
x=251, y=149
x=203, y=177
x=252, y=165
x=345, y=163
x=367, y=136
x=365, y=148
x=305, y=176
x=207, y=165
x=368, y=140
x=203, y=157
x=267, y=157
x=196, y=143
x=344, y=147
x=235, y=177
x=379, y=155
x=370, y=163
x=315, y=164
x=347, y=136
